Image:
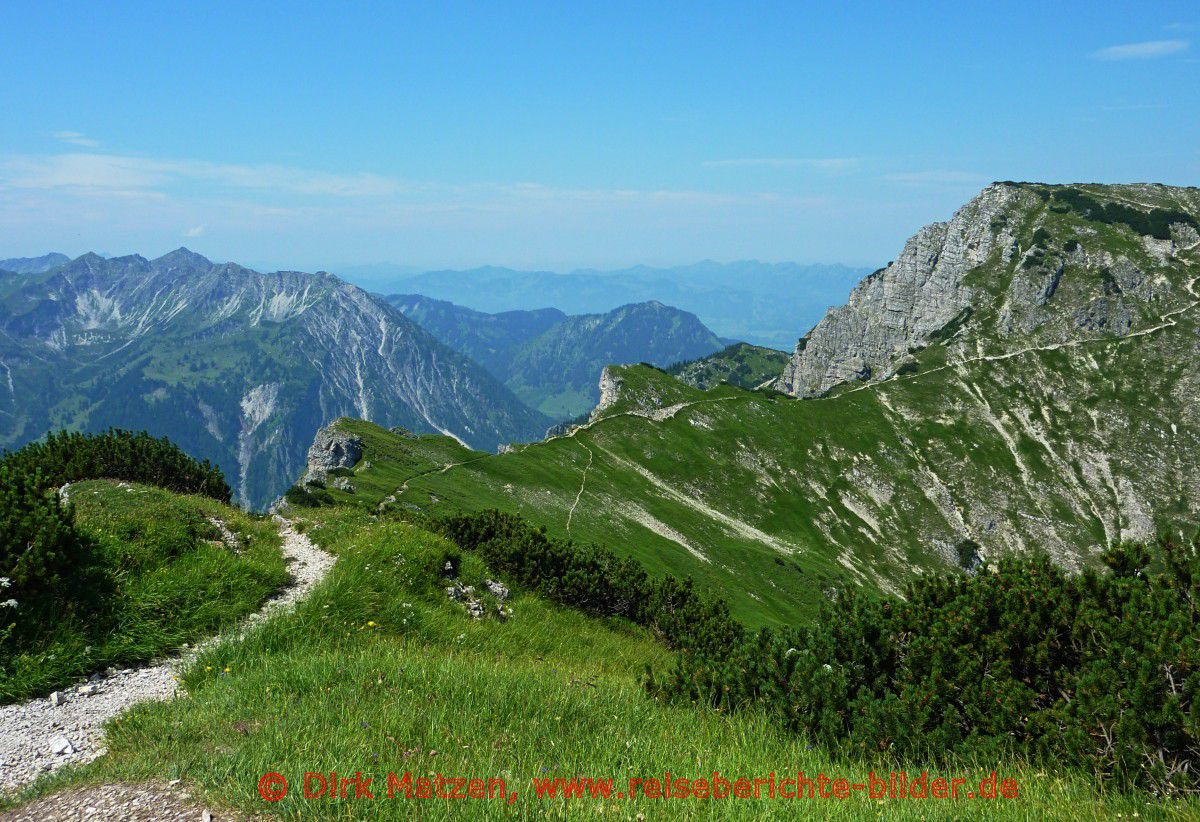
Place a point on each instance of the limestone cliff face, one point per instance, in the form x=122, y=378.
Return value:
x=1021, y=265
x=332, y=448
x=610, y=388
x=905, y=303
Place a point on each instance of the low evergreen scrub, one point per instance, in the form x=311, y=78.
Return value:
x=379, y=671
x=121, y=572
x=116, y=454
x=1156, y=222
x=310, y=495
x=43, y=558
x=47, y=567
x=1099, y=670
x=594, y=580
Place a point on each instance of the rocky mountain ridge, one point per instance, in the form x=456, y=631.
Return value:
x=988, y=280
x=1032, y=388
x=33, y=265
x=234, y=365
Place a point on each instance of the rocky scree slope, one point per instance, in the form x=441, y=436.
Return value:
x=234, y=365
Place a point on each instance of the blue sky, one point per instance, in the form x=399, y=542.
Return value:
x=559, y=135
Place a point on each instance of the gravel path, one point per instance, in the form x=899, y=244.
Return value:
x=143, y=803
x=68, y=727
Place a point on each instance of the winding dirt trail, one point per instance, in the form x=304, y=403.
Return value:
x=39, y=736
x=439, y=469
x=582, y=484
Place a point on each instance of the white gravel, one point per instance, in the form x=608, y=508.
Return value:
x=32, y=734
x=148, y=802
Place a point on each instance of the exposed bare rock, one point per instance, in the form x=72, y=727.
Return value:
x=902, y=305
x=610, y=389
x=1020, y=265
x=332, y=448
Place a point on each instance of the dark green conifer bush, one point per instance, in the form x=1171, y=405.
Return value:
x=47, y=568
x=38, y=542
x=116, y=454
x=1099, y=670
x=595, y=580
x=1156, y=222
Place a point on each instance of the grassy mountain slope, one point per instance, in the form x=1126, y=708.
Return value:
x=1066, y=437
x=236, y=366
x=165, y=574
x=557, y=371
x=741, y=364
x=378, y=671
x=552, y=361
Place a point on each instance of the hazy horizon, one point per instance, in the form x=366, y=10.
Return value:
x=593, y=136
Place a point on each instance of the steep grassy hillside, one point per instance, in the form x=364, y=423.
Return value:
x=1062, y=423
x=776, y=502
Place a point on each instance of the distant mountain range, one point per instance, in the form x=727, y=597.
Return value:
x=234, y=365
x=768, y=304
x=552, y=361
x=33, y=265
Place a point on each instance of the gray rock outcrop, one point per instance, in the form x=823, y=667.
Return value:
x=902, y=305
x=610, y=389
x=332, y=448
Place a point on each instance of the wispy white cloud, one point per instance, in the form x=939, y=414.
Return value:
x=936, y=177
x=121, y=172
x=1147, y=50
x=75, y=138
x=819, y=163
x=94, y=175
x=135, y=197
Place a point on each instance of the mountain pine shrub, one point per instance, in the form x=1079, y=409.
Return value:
x=47, y=568
x=1156, y=222
x=1099, y=670
x=117, y=454
x=37, y=539
x=595, y=580
x=44, y=561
